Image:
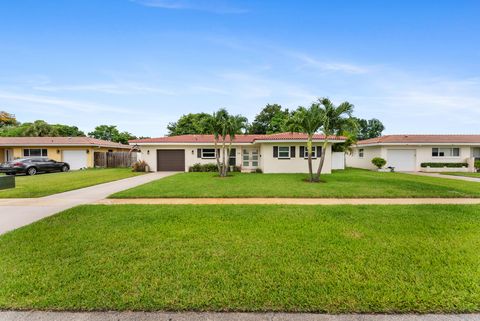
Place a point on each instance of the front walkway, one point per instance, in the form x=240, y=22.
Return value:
x=15, y=213
x=458, y=178
x=292, y=201
x=224, y=316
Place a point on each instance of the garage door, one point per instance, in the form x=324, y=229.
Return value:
x=404, y=160
x=75, y=158
x=170, y=160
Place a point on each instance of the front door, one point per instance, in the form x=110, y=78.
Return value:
x=250, y=158
x=8, y=155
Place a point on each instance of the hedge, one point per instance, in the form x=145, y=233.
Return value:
x=439, y=165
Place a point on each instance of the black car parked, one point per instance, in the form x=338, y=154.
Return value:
x=32, y=166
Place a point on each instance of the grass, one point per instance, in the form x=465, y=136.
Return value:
x=476, y=175
x=350, y=183
x=336, y=259
x=52, y=183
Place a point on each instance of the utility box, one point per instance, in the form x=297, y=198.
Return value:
x=7, y=182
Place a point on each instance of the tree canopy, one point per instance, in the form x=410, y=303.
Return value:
x=370, y=128
x=111, y=133
x=7, y=119
x=271, y=119
x=190, y=124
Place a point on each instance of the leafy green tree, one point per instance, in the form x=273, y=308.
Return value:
x=111, y=133
x=68, y=131
x=40, y=128
x=190, y=124
x=370, y=128
x=272, y=119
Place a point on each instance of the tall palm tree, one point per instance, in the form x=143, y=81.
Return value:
x=308, y=121
x=217, y=126
x=235, y=124
x=334, y=120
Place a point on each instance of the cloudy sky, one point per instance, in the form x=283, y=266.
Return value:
x=141, y=64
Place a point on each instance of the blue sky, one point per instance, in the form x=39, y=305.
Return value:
x=140, y=64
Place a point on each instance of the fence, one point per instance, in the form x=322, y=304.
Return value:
x=114, y=159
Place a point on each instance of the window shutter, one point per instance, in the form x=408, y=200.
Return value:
x=302, y=151
x=319, y=151
x=275, y=151
x=292, y=151
x=199, y=153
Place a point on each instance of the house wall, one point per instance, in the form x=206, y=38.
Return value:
x=270, y=164
x=423, y=155
x=354, y=160
x=55, y=153
x=148, y=153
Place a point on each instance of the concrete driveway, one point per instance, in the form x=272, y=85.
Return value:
x=15, y=213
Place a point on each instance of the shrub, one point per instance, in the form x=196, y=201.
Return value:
x=210, y=167
x=235, y=169
x=139, y=166
x=477, y=165
x=440, y=165
x=258, y=171
x=379, y=162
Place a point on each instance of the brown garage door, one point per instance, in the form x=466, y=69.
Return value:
x=170, y=160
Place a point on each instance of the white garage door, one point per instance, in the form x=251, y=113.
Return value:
x=75, y=158
x=402, y=159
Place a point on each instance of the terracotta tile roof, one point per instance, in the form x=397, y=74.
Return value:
x=422, y=139
x=59, y=141
x=185, y=139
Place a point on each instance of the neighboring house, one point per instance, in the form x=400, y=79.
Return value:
x=275, y=153
x=78, y=152
x=408, y=152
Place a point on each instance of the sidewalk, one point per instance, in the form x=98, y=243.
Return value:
x=209, y=316
x=458, y=178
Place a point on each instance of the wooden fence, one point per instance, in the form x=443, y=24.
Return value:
x=114, y=159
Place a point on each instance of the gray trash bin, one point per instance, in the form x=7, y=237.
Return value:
x=7, y=182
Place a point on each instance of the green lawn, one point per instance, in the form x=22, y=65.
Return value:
x=349, y=183
x=477, y=175
x=52, y=183
x=246, y=258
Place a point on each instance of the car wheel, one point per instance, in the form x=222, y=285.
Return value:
x=65, y=168
x=31, y=171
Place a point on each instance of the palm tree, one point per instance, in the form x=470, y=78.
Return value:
x=217, y=127
x=308, y=121
x=334, y=120
x=234, y=126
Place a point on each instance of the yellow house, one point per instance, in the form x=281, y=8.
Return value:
x=78, y=152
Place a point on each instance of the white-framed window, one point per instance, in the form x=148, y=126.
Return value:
x=314, y=152
x=361, y=152
x=446, y=152
x=284, y=152
x=35, y=152
x=208, y=152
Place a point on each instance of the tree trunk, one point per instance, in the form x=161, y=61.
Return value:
x=309, y=150
x=217, y=157
x=223, y=159
x=322, y=160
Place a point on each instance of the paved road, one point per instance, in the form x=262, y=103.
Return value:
x=207, y=316
x=15, y=213
x=292, y=201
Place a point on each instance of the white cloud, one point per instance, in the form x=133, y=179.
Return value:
x=108, y=88
x=217, y=6
x=331, y=66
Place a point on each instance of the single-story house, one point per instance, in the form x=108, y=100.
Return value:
x=409, y=152
x=274, y=153
x=78, y=152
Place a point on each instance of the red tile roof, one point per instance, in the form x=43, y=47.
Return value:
x=238, y=138
x=422, y=139
x=59, y=141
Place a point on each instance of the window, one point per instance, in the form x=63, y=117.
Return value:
x=208, y=153
x=284, y=152
x=32, y=152
x=232, y=160
x=361, y=152
x=314, y=152
x=446, y=152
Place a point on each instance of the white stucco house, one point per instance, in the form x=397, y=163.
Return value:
x=275, y=153
x=409, y=152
